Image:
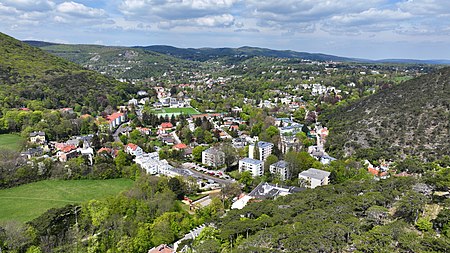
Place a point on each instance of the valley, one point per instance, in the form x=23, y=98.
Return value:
x=131, y=149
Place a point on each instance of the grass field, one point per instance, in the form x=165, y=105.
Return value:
x=175, y=111
x=26, y=202
x=10, y=141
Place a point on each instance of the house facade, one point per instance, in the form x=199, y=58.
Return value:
x=265, y=149
x=133, y=149
x=115, y=119
x=314, y=177
x=281, y=169
x=37, y=137
x=213, y=157
x=256, y=167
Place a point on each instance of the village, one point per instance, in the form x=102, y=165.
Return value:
x=209, y=162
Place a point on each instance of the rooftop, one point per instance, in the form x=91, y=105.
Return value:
x=280, y=164
x=33, y=134
x=265, y=190
x=212, y=151
x=252, y=161
x=315, y=173
x=263, y=144
x=132, y=146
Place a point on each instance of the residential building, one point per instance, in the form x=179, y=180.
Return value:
x=256, y=167
x=213, y=157
x=37, y=137
x=165, y=127
x=133, y=149
x=163, y=248
x=115, y=119
x=314, y=177
x=289, y=142
x=265, y=149
x=264, y=191
x=281, y=169
x=239, y=142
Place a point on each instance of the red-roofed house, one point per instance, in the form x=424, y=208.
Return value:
x=163, y=248
x=109, y=151
x=67, y=152
x=68, y=148
x=115, y=119
x=180, y=146
x=67, y=110
x=133, y=149
x=164, y=127
x=144, y=130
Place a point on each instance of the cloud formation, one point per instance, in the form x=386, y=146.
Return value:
x=271, y=20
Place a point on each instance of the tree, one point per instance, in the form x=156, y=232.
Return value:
x=410, y=206
x=197, y=152
x=246, y=179
x=230, y=152
x=176, y=186
x=271, y=159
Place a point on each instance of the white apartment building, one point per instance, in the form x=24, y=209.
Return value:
x=281, y=169
x=256, y=167
x=314, y=177
x=265, y=149
x=213, y=157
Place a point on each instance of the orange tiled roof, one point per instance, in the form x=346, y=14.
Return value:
x=132, y=146
x=180, y=146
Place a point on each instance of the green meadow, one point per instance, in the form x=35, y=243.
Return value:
x=26, y=202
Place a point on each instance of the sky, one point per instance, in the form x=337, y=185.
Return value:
x=372, y=29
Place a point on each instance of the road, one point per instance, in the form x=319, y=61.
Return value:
x=119, y=130
x=189, y=166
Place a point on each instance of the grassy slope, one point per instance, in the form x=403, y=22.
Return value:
x=26, y=202
x=10, y=141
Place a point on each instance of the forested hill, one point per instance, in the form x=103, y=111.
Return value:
x=204, y=54
x=29, y=75
x=410, y=119
x=119, y=62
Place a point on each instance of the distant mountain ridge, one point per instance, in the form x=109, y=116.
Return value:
x=204, y=54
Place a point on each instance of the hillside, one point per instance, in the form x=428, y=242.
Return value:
x=204, y=54
x=119, y=62
x=410, y=119
x=28, y=73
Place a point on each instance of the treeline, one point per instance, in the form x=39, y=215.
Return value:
x=393, y=215
x=134, y=221
x=16, y=170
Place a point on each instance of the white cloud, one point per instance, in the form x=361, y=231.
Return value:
x=79, y=10
x=305, y=10
x=426, y=7
x=371, y=16
x=225, y=20
x=29, y=5
x=168, y=14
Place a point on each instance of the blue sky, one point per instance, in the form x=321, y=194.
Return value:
x=373, y=29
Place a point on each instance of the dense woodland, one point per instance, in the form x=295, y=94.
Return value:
x=29, y=76
x=411, y=119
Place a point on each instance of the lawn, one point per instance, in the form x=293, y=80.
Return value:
x=26, y=202
x=175, y=111
x=10, y=141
